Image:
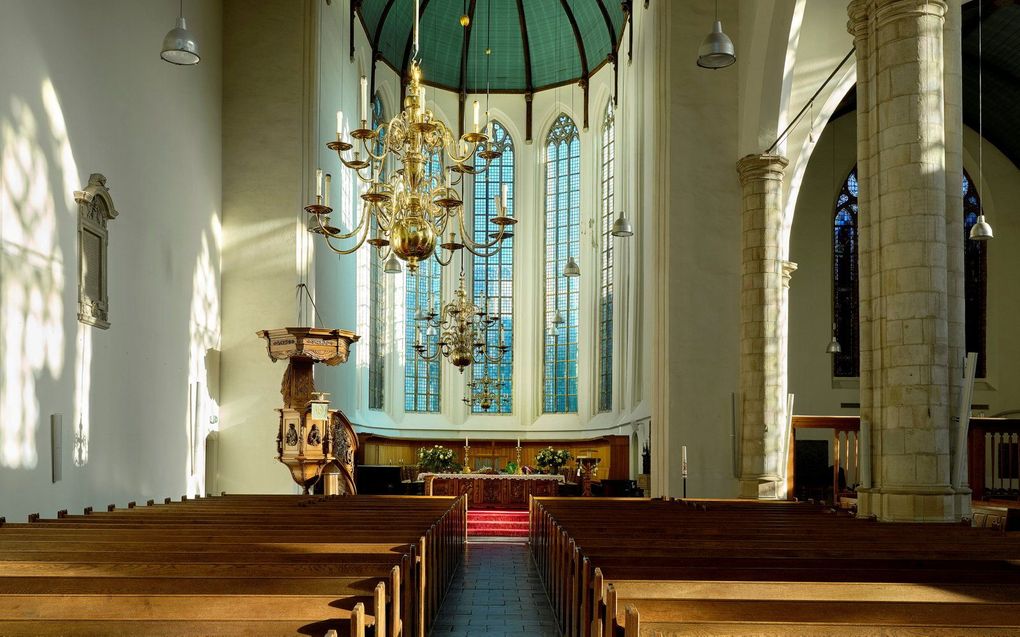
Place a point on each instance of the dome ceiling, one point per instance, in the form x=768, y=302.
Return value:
x=535, y=44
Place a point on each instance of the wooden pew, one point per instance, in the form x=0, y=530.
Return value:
x=234, y=565
x=711, y=567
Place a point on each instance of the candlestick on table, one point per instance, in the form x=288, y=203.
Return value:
x=683, y=467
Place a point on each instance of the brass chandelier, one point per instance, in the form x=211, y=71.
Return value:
x=485, y=392
x=461, y=327
x=415, y=206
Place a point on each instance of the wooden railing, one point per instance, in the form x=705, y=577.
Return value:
x=993, y=456
x=844, y=446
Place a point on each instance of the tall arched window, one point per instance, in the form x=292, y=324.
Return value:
x=493, y=276
x=422, y=378
x=608, y=179
x=377, y=301
x=844, y=279
x=562, y=240
x=975, y=277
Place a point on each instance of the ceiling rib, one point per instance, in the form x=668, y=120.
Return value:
x=463, y=62
x=529, y=86
x=580, y=52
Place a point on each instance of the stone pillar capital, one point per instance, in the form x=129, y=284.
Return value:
x=857, y=25
x=757, y=167
x=887, y=11
x=789, y=267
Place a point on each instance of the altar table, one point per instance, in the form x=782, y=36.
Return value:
x=492, y=491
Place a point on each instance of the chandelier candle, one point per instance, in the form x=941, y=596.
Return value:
x=364, y=101
x=325, y=197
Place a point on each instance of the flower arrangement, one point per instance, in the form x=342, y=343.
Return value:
x=552, y=459
x=437, y=459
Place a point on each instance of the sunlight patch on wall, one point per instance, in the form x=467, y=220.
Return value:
x=203, y=370
x=31, y=282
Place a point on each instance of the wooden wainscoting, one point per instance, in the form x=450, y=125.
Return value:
x=613, y=450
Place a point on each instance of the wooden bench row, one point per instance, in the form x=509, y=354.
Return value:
x=625, y=567
x=234, y=565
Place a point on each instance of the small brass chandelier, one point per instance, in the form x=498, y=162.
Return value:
x=416, y=205
x=485, y=392
x=461, y=326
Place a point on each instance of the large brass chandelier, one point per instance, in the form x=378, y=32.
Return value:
x=460, y=326
x=416, y=205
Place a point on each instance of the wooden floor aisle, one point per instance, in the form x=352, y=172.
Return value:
x=497, y=593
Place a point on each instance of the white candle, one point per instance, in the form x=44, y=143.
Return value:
x=474, y=108
x=318, y=182
x=518, y=442
x=364, y=98
x=325, y=201
x=683, y=455
x=339, y=123
x=488, y=126
x=465, y=442
x=504, y=193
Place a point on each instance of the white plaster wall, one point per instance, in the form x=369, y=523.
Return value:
x=817, y=392
x=82, y=90
x=268, y=171
x=702, y=258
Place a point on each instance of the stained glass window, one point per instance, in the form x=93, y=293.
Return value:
x=422, y=289
x=562, y=239
x=844, y=273
x=846, y=363
x=493, y=276
x=606, y=275
x=377, y=304
x=975, y=277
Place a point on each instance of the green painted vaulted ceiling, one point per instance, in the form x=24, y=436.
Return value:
x=535, y=44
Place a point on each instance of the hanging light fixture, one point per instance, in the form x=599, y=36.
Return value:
x=571, y=269
x=461, y=326
x=179, y=45
x=391, y=265
x=716, y=51
x=417, y=205
x=833, y=347
x=622, y=227
x=981, y=230
x=486, y=392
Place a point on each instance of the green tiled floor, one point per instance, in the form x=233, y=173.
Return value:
x=497, y=593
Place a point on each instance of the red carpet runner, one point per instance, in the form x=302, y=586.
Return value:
x=497, y=523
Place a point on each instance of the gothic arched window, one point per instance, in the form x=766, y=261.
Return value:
x=975, y=276
x=845, y=277
x=422, y=289
x=493, y=277
x=562, y=240
x=608, y=178
x=844, y=280
x=377, y=302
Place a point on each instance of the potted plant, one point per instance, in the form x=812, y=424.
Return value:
x=437, y=459
x=551, y=460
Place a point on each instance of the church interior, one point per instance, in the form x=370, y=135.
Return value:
x=584, y=318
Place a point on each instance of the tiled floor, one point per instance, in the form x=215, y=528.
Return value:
x=496, y=594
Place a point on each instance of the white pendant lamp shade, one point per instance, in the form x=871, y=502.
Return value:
x=391, y=265
x=833, y=347
x=716, y=52
x=180, y=46
x=571, y=269
x=622, y=227
x=982, y=230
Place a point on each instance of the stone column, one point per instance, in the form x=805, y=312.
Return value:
x=762, y=367
x=904, y=307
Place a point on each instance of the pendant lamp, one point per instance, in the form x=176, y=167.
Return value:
x=716, y=51
x=179, y=45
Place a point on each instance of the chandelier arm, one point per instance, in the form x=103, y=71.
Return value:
x=361, y=242
x=342, y=235
x=440, y=261
x=475, y=246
